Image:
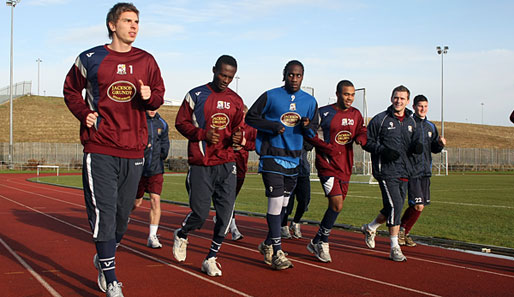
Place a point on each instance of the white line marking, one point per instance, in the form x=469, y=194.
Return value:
x=49, y=288
x=131, y=249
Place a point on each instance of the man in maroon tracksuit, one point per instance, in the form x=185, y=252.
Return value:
x=341, y=125
x=121, y=82
x=210, y=117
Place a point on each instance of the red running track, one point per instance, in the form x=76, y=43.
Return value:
x=46, y=250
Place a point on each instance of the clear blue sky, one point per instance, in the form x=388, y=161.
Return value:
x=376, y=44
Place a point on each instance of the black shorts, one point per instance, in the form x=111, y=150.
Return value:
x=393, y=197
x=278, y=185
x=419, y=191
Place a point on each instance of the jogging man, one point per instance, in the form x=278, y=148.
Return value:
x=419, y=188
x=281, y=116
x=392, y=139
x=151, y=181
x=210, y=117
x=121, y=82
x=340, y=126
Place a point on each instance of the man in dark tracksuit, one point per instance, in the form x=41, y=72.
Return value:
x=419, y=188
x=211, y=118
x=151, y=182
x=392, y=138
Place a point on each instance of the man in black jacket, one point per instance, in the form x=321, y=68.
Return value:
x=419, y=187
x=392, y=139
x=151, y=181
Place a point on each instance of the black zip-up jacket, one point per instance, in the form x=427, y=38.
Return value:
x=386, y=133
x=158, y=145
x=430, y=140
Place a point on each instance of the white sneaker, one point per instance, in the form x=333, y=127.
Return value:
x=114, y=289
x=370, y=236
x=211, y=267
x=295, y=230
x=267, y=251
x=153, y=242
x=320, y=250
x=397, y=255
x=280, y=261
x=236, y=235
x=101, y=277
x=179, y=247
x=284, y=232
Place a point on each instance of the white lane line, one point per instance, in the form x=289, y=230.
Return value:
x=133, y=250
x=49, y=288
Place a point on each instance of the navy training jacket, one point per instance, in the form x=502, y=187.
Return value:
x=158, y=145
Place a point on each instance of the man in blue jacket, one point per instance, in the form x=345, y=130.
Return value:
x=419, y=188
x=282, y=116
x=392, y=139
x=151, y=181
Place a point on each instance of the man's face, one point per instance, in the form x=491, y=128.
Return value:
x=223, y=76
x=346, y=97
x=294, y=77
x=421, y=109
x=151, y=113
x=400, y=101
x=126, y=28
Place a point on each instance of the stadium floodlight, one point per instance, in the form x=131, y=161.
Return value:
x=38, y=72
x=442, y=50
x=12, y=4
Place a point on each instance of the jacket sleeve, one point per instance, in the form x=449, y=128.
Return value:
x=184, y=121
x=361, y=131
x=255, y=117
x=310, y=130
x=373, y=144
x=436, y=147
x=250, y=135
x=74, y=83
x=165, y=143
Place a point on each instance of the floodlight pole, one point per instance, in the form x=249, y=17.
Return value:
x=482, y=112
x=237, y=84
x=11, y=3
x=442, y=50
x=38, y=72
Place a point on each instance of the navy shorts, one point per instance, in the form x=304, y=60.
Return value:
x=393, y=197
x=419, y=191
x=278, y=185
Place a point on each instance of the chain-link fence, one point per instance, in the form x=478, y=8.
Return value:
x=70, y=155
x=19, y=89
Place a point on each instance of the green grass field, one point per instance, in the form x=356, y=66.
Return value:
x=471, y=207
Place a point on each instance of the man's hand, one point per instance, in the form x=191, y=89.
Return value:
x=237, y=136
x=213, y=136
x=91, y=119
x=390, y=155
x=305, y=122
x=442, y=141
x=145, y=91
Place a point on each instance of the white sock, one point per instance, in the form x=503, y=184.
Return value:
x=373, y=226
x=153, y=230
x=394, y=241
x=233, y=225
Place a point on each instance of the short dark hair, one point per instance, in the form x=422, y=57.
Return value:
x=114, y=14
x=419, y=98
x=225, y=59
x=343, y=83
x=289, y=64
x=400, y=88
